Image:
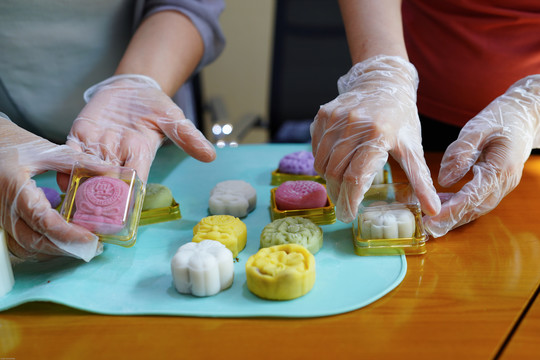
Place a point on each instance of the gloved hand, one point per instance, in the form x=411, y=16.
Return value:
x=374, y=115
x=125, y=121
x=495, y=143
x=35, y=230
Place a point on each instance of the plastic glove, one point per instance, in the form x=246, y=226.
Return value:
x=496, y=143
x=35, y=230
x=374, y=115
x=125, y=121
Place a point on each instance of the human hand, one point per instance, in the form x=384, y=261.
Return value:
x=125, y=121
x=374, y=115
x=35, y=230
x=495, y=143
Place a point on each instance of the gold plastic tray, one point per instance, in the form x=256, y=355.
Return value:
x=321, y=216
x=415, y=245
x=279, y=178
x=159, y=215
x=396, y=195
x=132, y=209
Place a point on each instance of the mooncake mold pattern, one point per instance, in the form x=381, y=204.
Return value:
x=281, y=272
x=293, y=230
x=202, y=269
x=101, y=204
x=227, y=229
x=300, y=194
x=232, y=197
x=298, y=163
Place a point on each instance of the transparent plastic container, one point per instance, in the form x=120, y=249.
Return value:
x=322, y=216
x=106, y=200
x=6, y=272
x=278, y=178
x=389, y=222
x=159, y=215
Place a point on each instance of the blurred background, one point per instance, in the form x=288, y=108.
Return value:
x=240, y=76
x=281, y=62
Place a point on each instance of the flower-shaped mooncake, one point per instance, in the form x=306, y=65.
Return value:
x=232, y=197
x=202, y=269
x=227, y=229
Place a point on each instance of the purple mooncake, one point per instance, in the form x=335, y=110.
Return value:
x=298, y=163
x=52, y=195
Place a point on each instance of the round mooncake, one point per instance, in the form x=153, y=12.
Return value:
x=157, y=196
x=298, y=163
x=300, y=194
x=227, y=229
x=52, y=195
x=232, y=197
x=293, y=230
x=281, y=272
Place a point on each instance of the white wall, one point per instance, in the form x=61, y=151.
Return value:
x=240, y=76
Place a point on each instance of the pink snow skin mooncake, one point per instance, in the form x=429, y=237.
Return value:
x=100, y=204
x=300, y=194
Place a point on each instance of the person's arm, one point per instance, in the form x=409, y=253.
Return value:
x=128, y=116
x=495, y=145
x=166, y=47
x=373, y=27
x=375, y=114
x=34, y=229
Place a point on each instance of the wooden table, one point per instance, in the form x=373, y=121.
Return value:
x=524, y=342
x=466, y=298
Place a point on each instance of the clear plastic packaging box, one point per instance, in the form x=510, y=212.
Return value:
x=6, y=272
x=106, y=200
x=158, y=215
x=322, y=216
x=278, y=178
x=389, y=222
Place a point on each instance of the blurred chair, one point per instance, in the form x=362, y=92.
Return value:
x=310, y=53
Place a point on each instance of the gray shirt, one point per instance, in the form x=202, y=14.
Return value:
x=51, y=51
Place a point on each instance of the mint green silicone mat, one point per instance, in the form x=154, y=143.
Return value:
x=138, y=280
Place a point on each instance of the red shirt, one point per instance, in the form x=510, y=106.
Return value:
x=469, y=52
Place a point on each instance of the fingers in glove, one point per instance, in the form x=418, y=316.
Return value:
x=32, y=245
x=39, y=228
x=413, y=163
x=476, y=198
x=184, y=134
x=357, y=179
x=105, y=145
x=25, y=254
x=39, y=155
x=463, y=153
x=349, y=154
x=140, y=158
x=334, y=128
x=319, y=124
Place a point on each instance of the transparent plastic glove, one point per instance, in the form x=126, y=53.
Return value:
x=126, y=119
x=374, y=115
x=495, y=143
x=35, y=230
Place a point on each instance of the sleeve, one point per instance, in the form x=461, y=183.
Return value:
x=204, y=14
